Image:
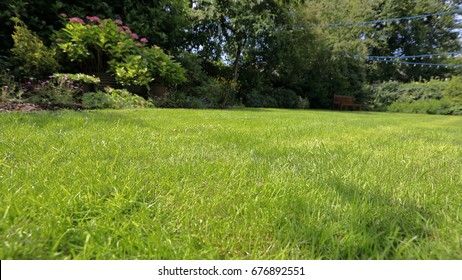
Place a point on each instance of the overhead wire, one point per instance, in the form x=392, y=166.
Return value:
x=369, y=22
x=398, y=59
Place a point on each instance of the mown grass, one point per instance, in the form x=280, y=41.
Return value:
x=243, y=184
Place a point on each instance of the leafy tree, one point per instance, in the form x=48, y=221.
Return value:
x=412, y=37
x=230, y=28
x=313, y=62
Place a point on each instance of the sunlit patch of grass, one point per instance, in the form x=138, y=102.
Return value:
x=239, y=184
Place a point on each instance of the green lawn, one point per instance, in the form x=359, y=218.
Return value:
x=238, y=184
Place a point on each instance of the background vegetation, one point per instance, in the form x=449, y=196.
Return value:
x=234, y=52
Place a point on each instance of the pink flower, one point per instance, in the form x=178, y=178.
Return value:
x=134, y=36
x=5, y=87
x=144, y=40
x=120, y=29
x=126, y=28
x=76, y=19
x=94, y=19
x=118, y=22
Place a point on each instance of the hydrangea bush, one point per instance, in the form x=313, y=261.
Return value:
x=107, y=45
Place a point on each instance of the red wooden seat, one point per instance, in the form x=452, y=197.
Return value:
x=343, y=102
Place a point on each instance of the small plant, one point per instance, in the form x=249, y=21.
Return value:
x=122, y=98
x=96, y=100
x=5, y=93
x=85, y=83
x=56, y=91
x=113, y=98
x=10, y=89
x=82, y=78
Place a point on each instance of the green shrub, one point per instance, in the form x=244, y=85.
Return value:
x=431, y=90
x=37, y=60
x=303, y=103
x=216, y=93
x=96, y=100
x=276, y=98
x=453, y=89
x=179, y=99
x=254, y=99
x=151, y=64
x=429, y=106
x=384, y=94
x=113, y=98
x=432, y=97
x=285, y=98
x=192, y=102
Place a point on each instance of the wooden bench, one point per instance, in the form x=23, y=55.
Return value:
x=342, y=102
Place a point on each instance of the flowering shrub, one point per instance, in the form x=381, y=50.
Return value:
x=79, y=77
x=9, y=88
x=108, y=45
x=56, y=91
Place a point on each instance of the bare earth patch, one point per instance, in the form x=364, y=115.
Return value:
x=20, y=107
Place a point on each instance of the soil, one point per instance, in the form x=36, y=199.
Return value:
x=21, y=107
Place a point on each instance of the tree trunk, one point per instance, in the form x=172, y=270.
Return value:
x=237, y=61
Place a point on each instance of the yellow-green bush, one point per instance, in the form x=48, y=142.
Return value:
x=37, y=59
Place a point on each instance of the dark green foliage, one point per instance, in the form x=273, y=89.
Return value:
x=258, y=99
x=276, y=98
x=286, y=98
x=211, y=93
x=202, y=89
x=433, y=97
x=176, y=99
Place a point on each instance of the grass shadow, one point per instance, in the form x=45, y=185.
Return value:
x=367, y=225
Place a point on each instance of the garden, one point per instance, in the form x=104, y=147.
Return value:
x=230, y=54
x=93, y=46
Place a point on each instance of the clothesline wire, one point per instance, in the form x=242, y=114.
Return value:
x=425, y=16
